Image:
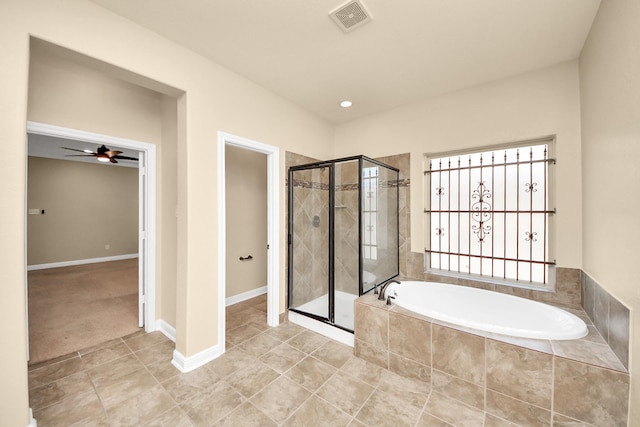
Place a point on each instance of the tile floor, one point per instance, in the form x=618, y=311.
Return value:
x=284, y=376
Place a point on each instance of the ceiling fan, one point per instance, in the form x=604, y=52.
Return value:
x=103, y=154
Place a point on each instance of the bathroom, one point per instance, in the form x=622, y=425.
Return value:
x=494, y=114
x=589, y=103
x=468, y=365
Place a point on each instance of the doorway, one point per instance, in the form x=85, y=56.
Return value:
x=273, y=227
x=146, y=227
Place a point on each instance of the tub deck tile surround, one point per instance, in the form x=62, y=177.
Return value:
x=589, y=393
x=409, y=340
x=588, y=352
x=519, y=372
x=610, y=317
x=408, y=368
x=459, y=354
x=602, y=356
x=514, y=380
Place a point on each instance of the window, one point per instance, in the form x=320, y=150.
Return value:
x=370, y=212
x=488, y=214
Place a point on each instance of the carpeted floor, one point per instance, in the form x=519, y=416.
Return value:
x=73, y=308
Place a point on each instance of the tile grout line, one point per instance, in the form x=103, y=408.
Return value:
x=95, y=390
x=133, y=353
x=553, y=388
x=312, y=393
x=485, y=386
x=247, y=400
x=85, y=369
x=521, y=401
x=352, y=417
x=368, y=398
x=158, y=383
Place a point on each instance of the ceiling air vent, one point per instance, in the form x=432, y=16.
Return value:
x=350, y=16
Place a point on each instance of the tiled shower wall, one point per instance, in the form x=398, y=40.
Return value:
x=311, y=262
x=310, y=235
x=310, y=199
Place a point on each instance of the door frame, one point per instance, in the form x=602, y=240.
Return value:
x=273, y=226
x=146, y=209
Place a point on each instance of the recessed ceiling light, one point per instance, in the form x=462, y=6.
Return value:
x=346, y=104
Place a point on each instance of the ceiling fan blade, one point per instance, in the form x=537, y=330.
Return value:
x=79, y=155
x=112, y=160
x=112, y=153
x=74, y=149
x=125, y=158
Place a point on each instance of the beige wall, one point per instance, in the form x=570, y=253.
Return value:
x=87, y=206
x=528, y=106
x=246, y=197
x=210, y=98
x=167, y=210
x=610, y=102
x=65, y=93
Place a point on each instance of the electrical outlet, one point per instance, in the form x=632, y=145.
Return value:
x=107, y=247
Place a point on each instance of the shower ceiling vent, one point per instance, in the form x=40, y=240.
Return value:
x=350, y=16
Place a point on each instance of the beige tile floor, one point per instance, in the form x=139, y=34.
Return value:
x=284, y=376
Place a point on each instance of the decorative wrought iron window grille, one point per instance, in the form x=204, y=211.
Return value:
x=488, y=214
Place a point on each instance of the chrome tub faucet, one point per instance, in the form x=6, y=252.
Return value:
x=383, y=289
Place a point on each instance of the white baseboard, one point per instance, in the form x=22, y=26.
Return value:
x=245, y=296
x=80, y=262
x=188, y=364
x=168, y=330
x=32, y=421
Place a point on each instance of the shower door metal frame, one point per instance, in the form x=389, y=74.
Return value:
x=331, y=279
x=361, y=160
x=330, y=319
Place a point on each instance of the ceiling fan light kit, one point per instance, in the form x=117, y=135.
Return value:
x=103, y=154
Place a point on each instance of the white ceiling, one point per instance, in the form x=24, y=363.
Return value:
x=411, y=50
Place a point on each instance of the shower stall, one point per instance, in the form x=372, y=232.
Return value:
x=343, y=235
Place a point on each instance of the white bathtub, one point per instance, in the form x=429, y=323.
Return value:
x=487, y=311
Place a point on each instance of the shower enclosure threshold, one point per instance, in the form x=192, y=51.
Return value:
x=344, y=315
x=322, y=328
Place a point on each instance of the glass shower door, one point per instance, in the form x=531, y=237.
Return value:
x=309, y=241
x=380, y=226
x=346, y=249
